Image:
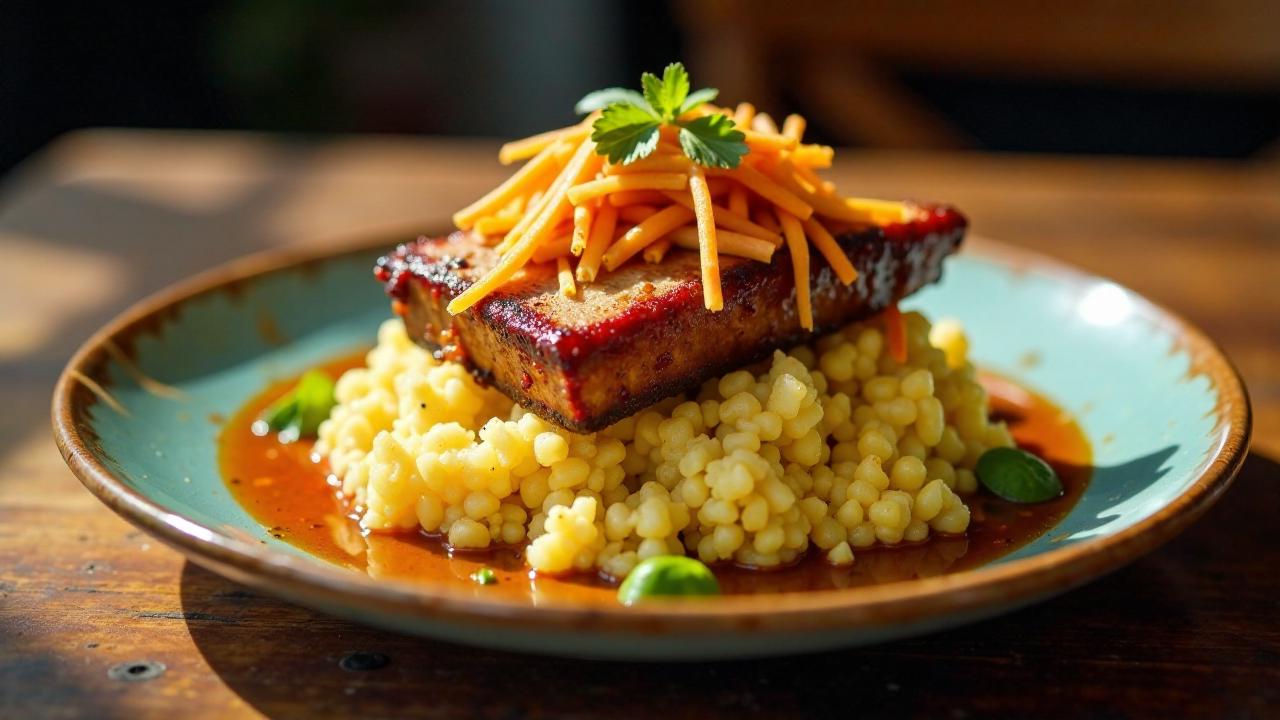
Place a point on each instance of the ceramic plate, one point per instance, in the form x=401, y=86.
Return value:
x=1164, y=411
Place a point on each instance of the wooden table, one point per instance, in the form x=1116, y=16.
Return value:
x=103, y=217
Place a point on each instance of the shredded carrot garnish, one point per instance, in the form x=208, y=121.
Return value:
x=738, y=201
x=757, y=183
x=766, y=219
x=793, y=127
x=727, y=243
x=494, y=224
x=729, y=219
x=530, y=146
x=709, y=256
x=768, y=142
x=553, y=248
x=567, y=201
x=651, y=164
x=533, y=171
x=565, y=277
x=636, y=213
x=895, y=330
x=813, y=156
x=655, y=252
x=615, y=183
x=582, y=217
x=651, y=229
x=830, y=250
x=597, y=242
x=763, y=123
x=794, y=233
x=623, y=198
x=522, y=249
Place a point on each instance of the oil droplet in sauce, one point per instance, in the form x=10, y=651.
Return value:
x=292, y=495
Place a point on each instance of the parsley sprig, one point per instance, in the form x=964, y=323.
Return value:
x=629, y=123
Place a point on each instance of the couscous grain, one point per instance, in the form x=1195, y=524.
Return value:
x=833, y=445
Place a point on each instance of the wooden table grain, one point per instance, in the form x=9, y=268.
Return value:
x=103, y=217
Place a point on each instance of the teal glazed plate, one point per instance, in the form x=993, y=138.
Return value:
x=1165, y=412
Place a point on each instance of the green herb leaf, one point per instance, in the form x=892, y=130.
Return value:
x=698, y=97
x=625, y=133
x=1017, y=476
x=713, y=141
x=627, y=129
x=611, y=96
x=299, y=412
x=667, y=575
x=484, y=576
x=666, y=96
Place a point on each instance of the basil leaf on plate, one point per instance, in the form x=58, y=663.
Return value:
x=1017, y=476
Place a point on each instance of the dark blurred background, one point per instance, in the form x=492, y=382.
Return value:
x=1199, y=78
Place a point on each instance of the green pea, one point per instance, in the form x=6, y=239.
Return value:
x=1017, y=476
x=667, y=575
x=484, y=576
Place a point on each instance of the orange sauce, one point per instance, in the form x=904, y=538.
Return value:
x=289, y=492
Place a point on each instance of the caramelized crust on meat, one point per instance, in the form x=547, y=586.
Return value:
x=641, y=334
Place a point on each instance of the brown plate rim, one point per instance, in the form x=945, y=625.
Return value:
x=967, y=592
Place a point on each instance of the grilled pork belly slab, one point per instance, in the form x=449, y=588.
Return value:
x=640, y=333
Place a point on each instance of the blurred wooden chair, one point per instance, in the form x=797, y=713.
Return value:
x=836, y=54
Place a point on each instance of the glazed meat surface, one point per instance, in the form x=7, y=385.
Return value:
x=641, y=334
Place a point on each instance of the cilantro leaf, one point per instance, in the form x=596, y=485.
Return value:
x=299, y=413
x=625, y=133
x=601, y=99
x=696, y=98
x=628, y=128
x=665, y=96
x=713, y=141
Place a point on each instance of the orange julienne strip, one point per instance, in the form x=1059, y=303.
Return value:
x=565, y=276
x=597, y=242
x=718, y=186
x=494, y=224
x=542, y=164
x=766, y=188
x=727, y=243
x=763, y=123
x=651, y=229
x=653, y=163
x=743, y=114
x=534, y=144
x=636, y=213
x=731, y=220
x=551, y=249
x=623, y=198
x=895, y=330
x=831, y=250
x=738, y=201
x=538, y=203
x=799, y=248
x=783, y=173
x=766, y=219
x=767, y=142
x=826, y=187
x=518, y=255
x=593, y=189
x=582, y=217
x=708, y=255
x=814, y=156
x=793, y=127
x=658, y=250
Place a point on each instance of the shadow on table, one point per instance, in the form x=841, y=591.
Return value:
x=1169, y=634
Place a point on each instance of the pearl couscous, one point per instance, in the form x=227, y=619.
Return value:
x=833, y=446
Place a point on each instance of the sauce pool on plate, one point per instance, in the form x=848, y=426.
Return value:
x=290, y=494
